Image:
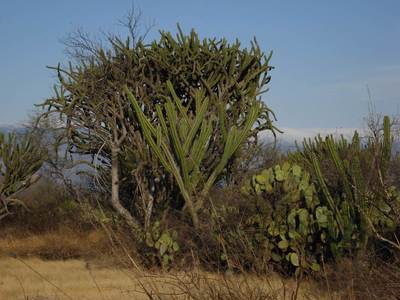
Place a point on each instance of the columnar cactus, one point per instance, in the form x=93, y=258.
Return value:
x=386, y=145
x=181, y=139
x=100, y=122
x=351, y=177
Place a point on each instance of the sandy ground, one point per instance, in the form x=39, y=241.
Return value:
x=37, y=279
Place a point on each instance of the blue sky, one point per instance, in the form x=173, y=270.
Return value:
x=325, y=52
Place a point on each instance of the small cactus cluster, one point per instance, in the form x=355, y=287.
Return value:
x=165, y=242
x=295, y=227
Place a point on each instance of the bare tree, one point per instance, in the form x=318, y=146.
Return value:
x=374, y=122
x=83, y=46
x=100, y=122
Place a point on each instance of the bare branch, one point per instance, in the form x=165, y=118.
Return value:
x=133, y=23
x=80, y=45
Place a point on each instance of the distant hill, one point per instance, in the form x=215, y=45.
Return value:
x=5, y=128
x=286, y=141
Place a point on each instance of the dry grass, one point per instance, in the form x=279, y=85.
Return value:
x=40, y=265
x=53, y=254
x=31, y=268
x=70, y=264
x=62, y=243
x=75, y=279
x=71, y=279
x=364, y=279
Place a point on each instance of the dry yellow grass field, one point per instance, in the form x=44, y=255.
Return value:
x=37, y=279
x=67, y=264
x=33, y=278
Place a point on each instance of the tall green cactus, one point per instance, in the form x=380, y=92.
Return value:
x=181, y=139
x=351, y=177
x=100, y=123
x=386, y=145
x=20, y=159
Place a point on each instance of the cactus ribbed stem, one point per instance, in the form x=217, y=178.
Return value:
x=180, y=142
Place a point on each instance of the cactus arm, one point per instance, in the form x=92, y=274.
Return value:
x=163, y=152
x=221, y=117
x=177, y=102
x=234, y=139
x=149, y=131
x=20, y=161
x=326, y=192
x=162, y=121
x=177, y=144
x=340, y=167
x=386, y=146
x=195, y=127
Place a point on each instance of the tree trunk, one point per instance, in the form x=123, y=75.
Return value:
x=115, y=201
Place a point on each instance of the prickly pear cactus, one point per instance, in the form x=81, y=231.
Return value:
x=165, y=243
x=384, y=216
x=294, y=227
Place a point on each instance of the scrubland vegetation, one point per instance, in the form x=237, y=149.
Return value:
x=172, y=195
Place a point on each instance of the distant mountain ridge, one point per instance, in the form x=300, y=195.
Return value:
x=7, y=128
x=286, y=141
